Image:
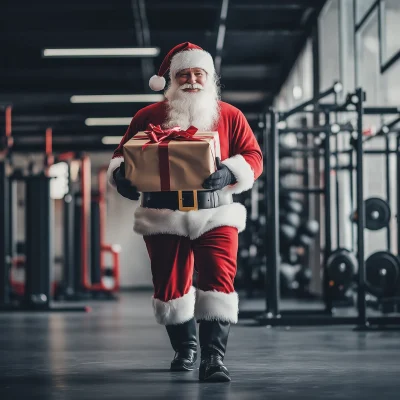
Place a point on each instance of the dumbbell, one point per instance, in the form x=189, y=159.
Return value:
x=289, y=218
x=290, y=204
x=290, y=254
x=303, y=278
x=307, y=233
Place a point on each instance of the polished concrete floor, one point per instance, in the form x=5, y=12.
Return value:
x=117, y=351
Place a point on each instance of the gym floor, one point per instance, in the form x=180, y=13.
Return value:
x=117, y=351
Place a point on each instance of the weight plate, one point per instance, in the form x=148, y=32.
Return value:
x=341, y=266
x=377, y=213
x=382, y=273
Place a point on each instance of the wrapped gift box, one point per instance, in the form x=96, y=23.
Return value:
x=170, y=160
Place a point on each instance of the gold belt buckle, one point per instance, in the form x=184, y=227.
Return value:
x=190, y=208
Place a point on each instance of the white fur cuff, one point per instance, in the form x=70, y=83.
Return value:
x=114, y=164
x=213, y=305
x=243, y=172
x=194, y=58
x=176, y=311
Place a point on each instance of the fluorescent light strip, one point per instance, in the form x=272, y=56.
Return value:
x=111, y=52
x=118, y=98
x=224, y=9
x=111, y=139
x=221, y=37
x=108, y=121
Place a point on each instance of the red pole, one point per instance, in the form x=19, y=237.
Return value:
x=8, y=121
x=85, y=210
x=8, y=140
x=102, y=184
x=49, y=158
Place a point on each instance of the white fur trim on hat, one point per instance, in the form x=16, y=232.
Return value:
x=157, y=83
x=213, y=305
x=175, y=311
x=192, y=224
x=243, y=172
x=114, y=164
x=194, y=58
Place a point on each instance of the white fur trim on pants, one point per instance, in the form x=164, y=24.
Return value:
x=114, y=164
x=243, y=172
x=213, y=305
x=176, y=311
x=193, y=224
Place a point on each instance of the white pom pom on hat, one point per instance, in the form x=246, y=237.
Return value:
x=182, y=56
x=157, y=83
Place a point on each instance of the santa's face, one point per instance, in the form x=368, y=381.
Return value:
x=192, y=100
x=191, y=80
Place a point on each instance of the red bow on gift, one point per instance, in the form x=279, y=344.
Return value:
x=157, y=135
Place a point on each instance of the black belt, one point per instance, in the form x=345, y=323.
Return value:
x=185, y=200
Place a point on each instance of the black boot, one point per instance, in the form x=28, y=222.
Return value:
x=213, y=340
x=184, y=342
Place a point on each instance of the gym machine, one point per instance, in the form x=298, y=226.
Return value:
x=86, y=275
x=382, y=267
x=273, y=315
x=38, y=233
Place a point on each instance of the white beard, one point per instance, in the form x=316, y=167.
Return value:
x=199, y=109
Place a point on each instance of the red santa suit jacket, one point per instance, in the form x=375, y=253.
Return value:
x=240, y=152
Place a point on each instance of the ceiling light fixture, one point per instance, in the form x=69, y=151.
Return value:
x=107, y=121
x=118, y=98
x=111, y=139
x=103, y=52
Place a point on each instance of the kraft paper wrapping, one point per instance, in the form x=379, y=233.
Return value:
x=190, y=162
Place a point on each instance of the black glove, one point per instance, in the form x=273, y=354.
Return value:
x=124, y=186
x=220, y=178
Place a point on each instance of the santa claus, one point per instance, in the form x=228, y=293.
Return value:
x=183, y=234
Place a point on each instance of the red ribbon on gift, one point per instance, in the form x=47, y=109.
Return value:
x=158, y=135
x=163, y=136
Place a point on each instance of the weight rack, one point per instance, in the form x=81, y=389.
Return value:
x=273, y=315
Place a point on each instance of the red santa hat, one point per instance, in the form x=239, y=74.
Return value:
x=182, y=56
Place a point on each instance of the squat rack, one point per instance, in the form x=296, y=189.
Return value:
x=38, y=228
x=273, y=315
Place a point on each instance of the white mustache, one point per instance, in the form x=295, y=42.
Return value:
x=190, y=86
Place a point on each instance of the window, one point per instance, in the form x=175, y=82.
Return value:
x=390, y=17
x=362, y=7
x=368, y=64
x=329, y=45
x=392, y=85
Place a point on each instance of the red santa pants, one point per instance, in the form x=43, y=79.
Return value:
x=214, y=256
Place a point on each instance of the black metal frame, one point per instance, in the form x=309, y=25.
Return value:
x=5, y=257
x=398, y=192
x=38, y=237
x=273, y=316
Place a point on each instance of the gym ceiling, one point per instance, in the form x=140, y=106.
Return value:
x=256, y=42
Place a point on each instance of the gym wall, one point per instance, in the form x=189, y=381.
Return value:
x=357, y=42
